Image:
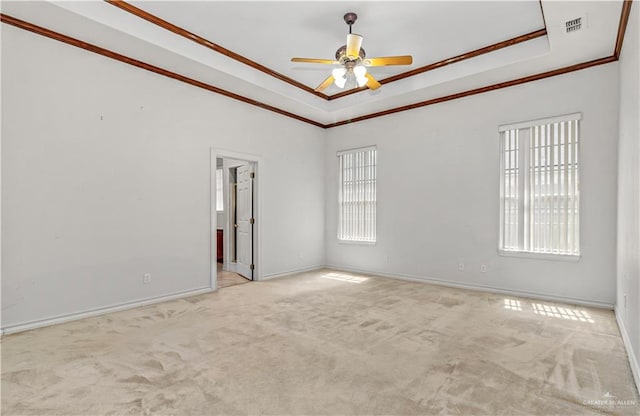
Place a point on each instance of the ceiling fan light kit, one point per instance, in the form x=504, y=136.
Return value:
x=352, y=58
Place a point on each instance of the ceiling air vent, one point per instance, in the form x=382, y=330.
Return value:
x=575, y=24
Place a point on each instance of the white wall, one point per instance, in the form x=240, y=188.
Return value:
x=106, y=176
x=628, y=276
x=438, y=189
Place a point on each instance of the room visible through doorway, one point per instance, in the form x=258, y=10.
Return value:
x=235, y=221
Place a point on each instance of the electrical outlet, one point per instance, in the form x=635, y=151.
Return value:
x=386, y=259
x=483, y=268
x=146, y=278
x=461, y=266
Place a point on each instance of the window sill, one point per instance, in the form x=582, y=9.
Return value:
x=357, y=243
x=541, y=256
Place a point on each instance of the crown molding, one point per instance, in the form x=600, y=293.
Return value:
x=152, y=68
x=488, y=88
x=622, y=27
x=624, y=18
x=127, y=7
x=211, y=45
x=462, y=57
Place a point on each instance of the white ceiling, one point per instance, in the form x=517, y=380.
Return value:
x=270, y=33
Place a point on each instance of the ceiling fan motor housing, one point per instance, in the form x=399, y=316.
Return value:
x=341, y=55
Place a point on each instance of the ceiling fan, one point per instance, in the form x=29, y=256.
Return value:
x=354, y=63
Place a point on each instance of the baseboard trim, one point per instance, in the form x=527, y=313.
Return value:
x=633, y=361
x=12, y=329
x=290, y=272
x=481, y=288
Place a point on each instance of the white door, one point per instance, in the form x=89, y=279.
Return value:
x=244, y=221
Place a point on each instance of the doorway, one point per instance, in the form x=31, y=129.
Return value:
x=234, y=241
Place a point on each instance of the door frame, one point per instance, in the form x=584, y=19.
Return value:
x=216, y=153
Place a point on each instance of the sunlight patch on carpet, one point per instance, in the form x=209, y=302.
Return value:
x=512, y=304
x=344, y=277
x=563, y=313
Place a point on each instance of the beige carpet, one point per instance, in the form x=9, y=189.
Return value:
x=325, y=343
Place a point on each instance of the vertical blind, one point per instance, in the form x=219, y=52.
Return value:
x=357, y=195
x=511, y=197
x=540, y=186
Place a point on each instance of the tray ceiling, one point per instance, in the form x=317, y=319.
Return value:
x=265, y=35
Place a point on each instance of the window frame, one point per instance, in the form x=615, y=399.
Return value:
x=339, y=197
x=522, y=152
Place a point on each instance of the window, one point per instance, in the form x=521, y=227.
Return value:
x=540, y=186
x=219, y=199
x=357, y=195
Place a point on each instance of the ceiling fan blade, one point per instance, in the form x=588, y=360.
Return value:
x=325, y=84
x=388, y=60
x=354, y=42
x=315, y=61
x=372, y=83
